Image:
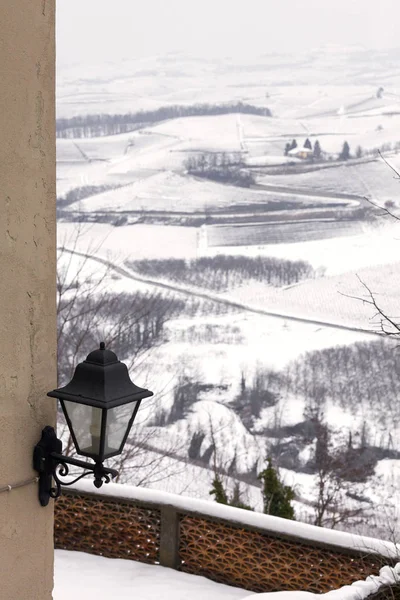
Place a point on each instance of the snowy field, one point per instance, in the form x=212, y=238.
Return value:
x=370, y=257
x=375, y=180
x=339, y=79
x=280, y=233
x=169, y=191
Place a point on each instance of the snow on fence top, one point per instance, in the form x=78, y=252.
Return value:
x=359, y=590
x=267, y=523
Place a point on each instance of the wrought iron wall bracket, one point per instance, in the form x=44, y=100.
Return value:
x=51, y=465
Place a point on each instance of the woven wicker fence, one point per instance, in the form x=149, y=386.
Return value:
x=222, y=550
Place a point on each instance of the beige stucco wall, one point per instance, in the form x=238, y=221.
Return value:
x=27, y=288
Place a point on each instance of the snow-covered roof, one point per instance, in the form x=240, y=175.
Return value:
x=298, y=150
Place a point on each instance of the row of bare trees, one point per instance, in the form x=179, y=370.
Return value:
x=80, y=193
x=222, y=167
x=87, y=126
x=223, y=272
x=363, y=378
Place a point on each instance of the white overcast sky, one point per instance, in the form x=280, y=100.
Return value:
x=97, y=30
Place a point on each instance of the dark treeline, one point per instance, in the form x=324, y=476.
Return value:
x=222, y=167
x=221, y=273
x=365, y=375
x=362, y=379
x=80, y=193
x=87, y=126
x=131, y=323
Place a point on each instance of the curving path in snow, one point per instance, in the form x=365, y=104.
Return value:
x=196, y=293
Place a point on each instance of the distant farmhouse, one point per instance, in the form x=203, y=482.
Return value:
x=303, y=153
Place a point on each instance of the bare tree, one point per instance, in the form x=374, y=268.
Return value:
x=335, y=474
x=131, y=324
x=224, y=470
x=387, y=324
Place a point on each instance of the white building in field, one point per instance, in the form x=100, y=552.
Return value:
x=302, y=153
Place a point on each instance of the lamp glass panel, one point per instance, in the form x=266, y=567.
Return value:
x=118, y=419
x=86, y=423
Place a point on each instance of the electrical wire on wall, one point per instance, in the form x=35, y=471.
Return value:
x=8, y=488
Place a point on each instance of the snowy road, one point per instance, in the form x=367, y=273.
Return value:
x=352, y=199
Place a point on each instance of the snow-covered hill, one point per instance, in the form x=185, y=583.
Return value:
x=225, y=342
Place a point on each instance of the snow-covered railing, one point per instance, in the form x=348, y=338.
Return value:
x=374, y=587
x=230, y=545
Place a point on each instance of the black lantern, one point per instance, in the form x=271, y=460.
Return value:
x=100, y=404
